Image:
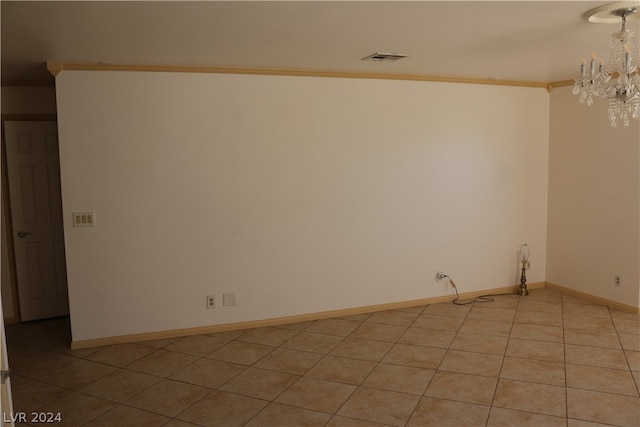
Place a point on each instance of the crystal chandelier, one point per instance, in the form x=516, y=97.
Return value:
x=619, y=79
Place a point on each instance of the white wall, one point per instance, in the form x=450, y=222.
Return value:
x=26, y=100
x=594, y=206
x=300, y=194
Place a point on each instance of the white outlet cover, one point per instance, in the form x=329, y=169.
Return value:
x=211, y=301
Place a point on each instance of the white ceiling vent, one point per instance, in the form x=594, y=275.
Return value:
x=385, y=57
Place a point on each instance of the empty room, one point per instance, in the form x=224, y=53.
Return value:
x=320, y=213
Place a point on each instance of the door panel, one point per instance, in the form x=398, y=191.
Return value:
x=36, y=209
x=6, y=405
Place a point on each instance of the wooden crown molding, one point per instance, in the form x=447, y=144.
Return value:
x=56, y=67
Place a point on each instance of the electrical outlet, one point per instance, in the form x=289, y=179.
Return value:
x=617, y=280
x=440, y=276
x=211, y=301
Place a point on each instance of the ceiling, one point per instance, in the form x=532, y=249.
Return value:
x=534, y=41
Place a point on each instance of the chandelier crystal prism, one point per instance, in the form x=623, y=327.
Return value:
x=619, y=79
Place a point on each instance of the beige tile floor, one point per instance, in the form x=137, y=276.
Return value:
x=548, y=359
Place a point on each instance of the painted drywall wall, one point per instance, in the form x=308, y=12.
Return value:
x=19, y=102
x=28, y=100
x=300, y=194
x=594, y=183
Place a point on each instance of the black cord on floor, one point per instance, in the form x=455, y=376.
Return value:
x=481, y=298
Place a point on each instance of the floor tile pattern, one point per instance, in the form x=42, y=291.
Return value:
x=547, y=359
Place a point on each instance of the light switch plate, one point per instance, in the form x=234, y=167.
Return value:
x=84, y=219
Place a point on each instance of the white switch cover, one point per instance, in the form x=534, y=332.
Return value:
x=229, y=299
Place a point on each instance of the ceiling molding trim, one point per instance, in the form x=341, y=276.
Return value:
x=56, y=67
x=562, y=83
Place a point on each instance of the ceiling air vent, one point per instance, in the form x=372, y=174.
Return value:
x=385, y=57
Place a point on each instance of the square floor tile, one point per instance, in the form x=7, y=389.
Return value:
x=630, y=341
x=162, y=363
x=462, y=388
x=168, y=397
x=590, y=323
x=530, y=397
x=415, y=356
x=432, y=321
x=313, y=342
x=339, y=327
x=268, y=336
x=222, y=409
x=501, y=301
x=208, y=373
x=198, y=345
x=532, y=370
x=537, y=332
x=124, y=416
x=591, y=338
x=480, y=343
x=480, y=312
x=448, y=309
x=536, y=318
x=120, y=385
x=605, y=408
x=465, y=362
x=77, y=374
x=486, y=327
x=341, y=369
x=120, y=354
x=601, y=379
x=243, y=353
x=30, y=394
x=317, y=395
x=438, y=412
x=276, y=415
x=627, y=326
x=427, y=337
x=531, y=349
x=541, y=306
x=378, y=332
x=571, y=309
x=259, y=383
x=633, y=359
x=397, y=318
x=356, y=348
x=77, y=409
x=613, y=358
x=545, y=294
x=289, y=361
x=340, y=421
x=403, y=379
x=381, y=406
x=501, y=417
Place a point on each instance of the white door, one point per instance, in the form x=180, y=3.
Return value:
x=33, y=167
x=6, y=406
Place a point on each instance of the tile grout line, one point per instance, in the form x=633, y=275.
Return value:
x=564, y=359
x=504, y=356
